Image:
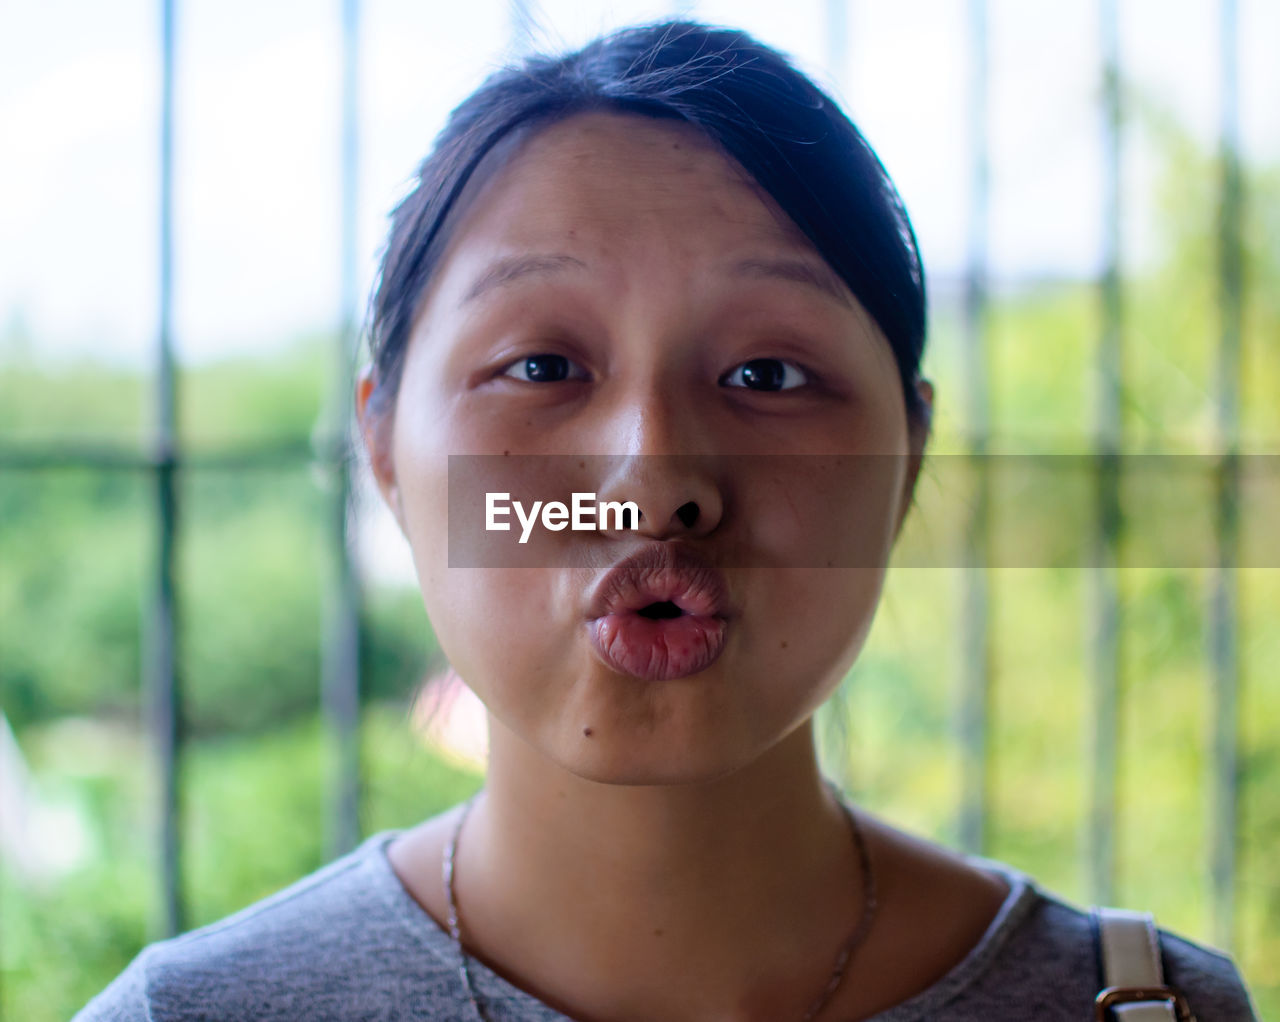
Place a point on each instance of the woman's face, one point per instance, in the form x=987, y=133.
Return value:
x=619, y=288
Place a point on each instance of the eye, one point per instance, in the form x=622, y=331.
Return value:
x=766, y=374
x=545, y=369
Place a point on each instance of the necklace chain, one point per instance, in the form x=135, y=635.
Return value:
x=859, y=934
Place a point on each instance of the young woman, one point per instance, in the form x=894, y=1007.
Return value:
x=663, y=270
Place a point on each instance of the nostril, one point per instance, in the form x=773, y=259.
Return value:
x=688, y=514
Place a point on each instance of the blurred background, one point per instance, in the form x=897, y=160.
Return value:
x=215, y=670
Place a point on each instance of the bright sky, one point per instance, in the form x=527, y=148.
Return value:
x=257, y=149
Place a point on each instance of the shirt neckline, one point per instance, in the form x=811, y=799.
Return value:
x=493, y=987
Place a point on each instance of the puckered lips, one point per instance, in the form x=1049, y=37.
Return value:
x=660, y=613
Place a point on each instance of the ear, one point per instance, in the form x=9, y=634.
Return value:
x=376, y=430
x=918, y=428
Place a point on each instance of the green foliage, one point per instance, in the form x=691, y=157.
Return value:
x=254, y=823
x=1039, y=344
x=71, y=403
x=237, y=402
x=1176, y=311
x=253, y=558
x=73, y=548
x=251, y=574
x=403, y=782
x=396, y=644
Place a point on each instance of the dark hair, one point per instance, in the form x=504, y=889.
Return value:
x=747, y=98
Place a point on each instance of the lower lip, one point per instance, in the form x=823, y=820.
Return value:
x=658, y=649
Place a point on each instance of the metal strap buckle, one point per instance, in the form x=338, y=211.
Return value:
x=1112, y=996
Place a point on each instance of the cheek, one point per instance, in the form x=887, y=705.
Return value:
x=490, y=622
x=501, y=633
x=821, y=511
x=823, y=529
x=815, y=623
x=497, y=626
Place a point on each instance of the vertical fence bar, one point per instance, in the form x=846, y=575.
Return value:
x=340, y=663
x=1105, y=635
x=975, y=625
x=1223, y=642
x=163, y=691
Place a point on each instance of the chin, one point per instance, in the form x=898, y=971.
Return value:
x=662, y=750
x=628, y=768
x=605, y=727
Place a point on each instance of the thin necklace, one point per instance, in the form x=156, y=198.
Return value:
x=858, y=935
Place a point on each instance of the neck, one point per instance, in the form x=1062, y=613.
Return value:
x=727, y=895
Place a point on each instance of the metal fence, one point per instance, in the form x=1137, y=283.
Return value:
x=166, y=461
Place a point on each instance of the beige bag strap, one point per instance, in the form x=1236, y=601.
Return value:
x=1134, y=989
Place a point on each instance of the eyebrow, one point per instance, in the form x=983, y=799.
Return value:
x=797, y=271
x=511, y=268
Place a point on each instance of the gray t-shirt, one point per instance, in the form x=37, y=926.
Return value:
x=350, y=942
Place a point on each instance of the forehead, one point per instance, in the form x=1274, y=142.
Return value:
x=615, y=178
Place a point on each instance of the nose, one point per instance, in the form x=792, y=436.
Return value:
x=678, y=494
x=661, y=459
